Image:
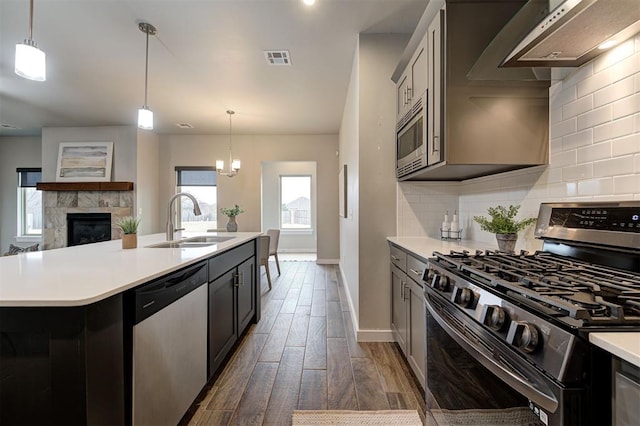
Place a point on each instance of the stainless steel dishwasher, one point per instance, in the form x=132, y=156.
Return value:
x=169, y=346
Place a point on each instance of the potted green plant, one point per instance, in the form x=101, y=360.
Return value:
x=129, y=228
x=503, y=224
x=232, y=225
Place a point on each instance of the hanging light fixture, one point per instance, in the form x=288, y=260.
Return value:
x=234, y=165
x=145, y=115
x=30, y=61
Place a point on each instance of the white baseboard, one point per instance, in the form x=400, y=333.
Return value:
x=328, y=261
x=363, y=335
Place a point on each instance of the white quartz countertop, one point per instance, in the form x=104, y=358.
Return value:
x=81, y=275
x=622, y=345
x=425, y=246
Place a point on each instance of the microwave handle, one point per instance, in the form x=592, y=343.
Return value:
x=435, y=146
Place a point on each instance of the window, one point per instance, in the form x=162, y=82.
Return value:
x=295, y=198
x=201, y=183
x=29, y=202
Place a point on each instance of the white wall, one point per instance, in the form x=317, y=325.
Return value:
x=297, y=242
x=367, y=148
x=124, y=148
x=14, y=152
x=147, y=188
x=244, y=189
x=594, y=153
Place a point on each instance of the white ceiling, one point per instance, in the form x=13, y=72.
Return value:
x=207, y=57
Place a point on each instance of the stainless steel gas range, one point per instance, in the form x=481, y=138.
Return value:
x=511, y=330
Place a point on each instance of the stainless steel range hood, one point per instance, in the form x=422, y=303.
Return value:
x=572, y=32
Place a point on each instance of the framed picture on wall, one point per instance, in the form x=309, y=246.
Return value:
x=84, y=162
x=342, y=190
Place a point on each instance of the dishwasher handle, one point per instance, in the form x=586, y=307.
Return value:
x=152, y=297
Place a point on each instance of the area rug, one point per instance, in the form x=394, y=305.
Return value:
x=504, y=417
x=386, y=417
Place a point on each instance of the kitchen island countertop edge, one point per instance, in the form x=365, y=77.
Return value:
x=81, y=275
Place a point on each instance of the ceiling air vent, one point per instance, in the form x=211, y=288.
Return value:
x=278, y=57
x=184, y=126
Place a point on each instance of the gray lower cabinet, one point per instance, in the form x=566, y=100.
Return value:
x=407, y=308
x=232, y=300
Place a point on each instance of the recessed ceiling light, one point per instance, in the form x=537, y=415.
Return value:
x=309, y=2
x=607, y=44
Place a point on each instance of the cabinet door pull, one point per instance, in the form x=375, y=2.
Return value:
x=416, y=272
x=395, y=258
x=401, y=289
x=405, y=292
x=241, y=279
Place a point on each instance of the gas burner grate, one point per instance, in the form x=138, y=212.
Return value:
x=557, y=285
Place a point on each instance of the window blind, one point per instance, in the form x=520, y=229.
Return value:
x=196, y=176
x=28, y=177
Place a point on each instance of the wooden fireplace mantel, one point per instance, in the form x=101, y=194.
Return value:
x=84, y=186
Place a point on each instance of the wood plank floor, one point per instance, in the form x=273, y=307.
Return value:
x=303, y=356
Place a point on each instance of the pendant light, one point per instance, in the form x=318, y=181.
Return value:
x=234, y=165
x=30, y=61
x=145, y=115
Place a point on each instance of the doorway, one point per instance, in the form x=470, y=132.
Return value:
x=289, y=204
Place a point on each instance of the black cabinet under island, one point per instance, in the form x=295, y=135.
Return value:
x=68, y=365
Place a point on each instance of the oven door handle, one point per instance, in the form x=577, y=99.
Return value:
x=515, y=379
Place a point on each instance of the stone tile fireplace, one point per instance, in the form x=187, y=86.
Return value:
x=59, y=203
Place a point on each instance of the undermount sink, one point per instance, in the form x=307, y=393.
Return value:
x=208, y=239
x=193, y=242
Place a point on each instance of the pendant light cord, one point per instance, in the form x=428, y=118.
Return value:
x=31, y=20
x=146, y=68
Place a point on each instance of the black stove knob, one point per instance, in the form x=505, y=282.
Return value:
x=494, y=317
x=438, y=281
x=524, y=335
x=464, y=297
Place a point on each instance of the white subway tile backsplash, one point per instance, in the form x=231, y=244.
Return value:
x=555, y=116
x=636, y=164
x=577, y=140
x=626, y=145
x=567, y=158
x=594, y=152
x=603, y=186
x=613, y=129
x=563, y=128
x=576, y=77
x=627, y=66
x=626, y=106
x=594, y=83
x=578, y=172
x=555, y=145
x=579, y=106
x=614, y=56
x=627, y=184
x=595, y=117
x=613, y=166
x=636, y=122
x=615, y=92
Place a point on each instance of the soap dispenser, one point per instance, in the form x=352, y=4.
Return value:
x=444, y=229
x=454, y=227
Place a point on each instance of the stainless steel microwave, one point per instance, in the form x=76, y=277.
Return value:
x=411, y=139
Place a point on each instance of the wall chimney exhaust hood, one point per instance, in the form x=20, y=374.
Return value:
x=572, y=33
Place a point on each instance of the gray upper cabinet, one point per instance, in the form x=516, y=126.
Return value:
x=412, y=84
x=481, y=122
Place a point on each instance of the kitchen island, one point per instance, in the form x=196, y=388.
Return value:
x=66, y=318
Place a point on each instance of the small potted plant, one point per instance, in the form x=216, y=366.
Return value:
x=232, y=225
x=129, y=227
x=504, y=225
